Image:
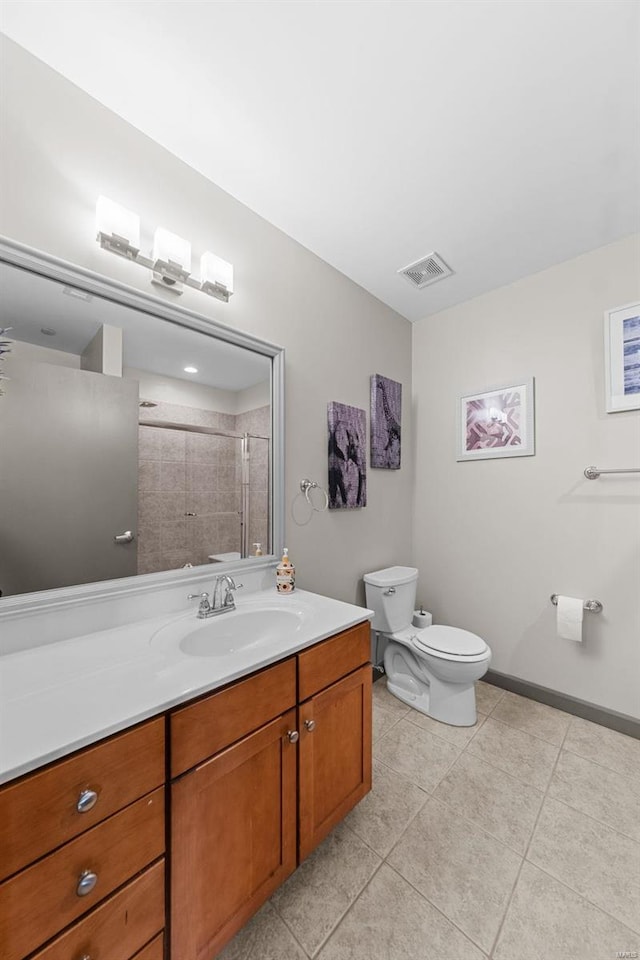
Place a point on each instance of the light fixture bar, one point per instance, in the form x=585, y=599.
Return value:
x=118, y=231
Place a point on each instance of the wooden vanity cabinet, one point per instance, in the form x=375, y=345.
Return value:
x=260, y=771
x=334, y=720
x=233, y=817
x=78, y=841
x=280, y=759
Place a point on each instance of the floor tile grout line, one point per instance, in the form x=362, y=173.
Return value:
x=505, y=723
x=404, y=829
x=592, y=903
x=477, y=826
x=516, y=853
x=444, y=739
x=524, y=856
x=525, y=783
x=601, y=823
x=603, y=766
x=436, y=908
x=547, y=872
x=347, y=911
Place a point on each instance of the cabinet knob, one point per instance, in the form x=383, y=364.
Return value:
x=86, y=801
x=293, y=736
x=85, y=956
x=310, y=725
x=86, y=882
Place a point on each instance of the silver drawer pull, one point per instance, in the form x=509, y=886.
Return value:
x=310, y=725
x=86, y=801
x=86, y=882
x=85, y=956
x=293, y=736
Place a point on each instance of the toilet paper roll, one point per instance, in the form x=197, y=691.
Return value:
x=569, y=623
x=421, y=618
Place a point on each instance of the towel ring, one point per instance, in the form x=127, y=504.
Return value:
x=306, y=486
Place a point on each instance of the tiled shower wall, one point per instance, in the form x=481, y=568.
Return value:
x=258, y=423
x=189, y=486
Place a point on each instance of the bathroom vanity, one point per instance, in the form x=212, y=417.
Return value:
x=224, y=793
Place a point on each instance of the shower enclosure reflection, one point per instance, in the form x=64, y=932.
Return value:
x=115, y=421
x=203, y=494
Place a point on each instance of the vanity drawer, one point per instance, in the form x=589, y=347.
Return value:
x=43, y=810
x=200, y=730
x=120, y=926
x=152, y=951
x=40, y=901
x=329, y=660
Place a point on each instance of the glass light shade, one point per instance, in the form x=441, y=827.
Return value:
x=169, y=246
x=215, y=270
x=112, y=219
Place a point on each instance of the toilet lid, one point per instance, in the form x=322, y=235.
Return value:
x=449, y=640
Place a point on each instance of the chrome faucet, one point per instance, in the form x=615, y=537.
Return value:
x=221, y=604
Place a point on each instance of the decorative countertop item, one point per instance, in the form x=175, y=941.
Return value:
x=285, y=574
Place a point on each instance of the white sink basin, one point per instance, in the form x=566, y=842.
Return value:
x=228, y=633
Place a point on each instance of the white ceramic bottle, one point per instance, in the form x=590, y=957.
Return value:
x=285, y=574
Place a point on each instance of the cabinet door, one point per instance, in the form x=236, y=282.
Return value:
x=233, y=838
x=335, y=756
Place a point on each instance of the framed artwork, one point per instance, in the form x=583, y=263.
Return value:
x=622, y=358
x=347, y=456
x=386, y=415
x=497, y=423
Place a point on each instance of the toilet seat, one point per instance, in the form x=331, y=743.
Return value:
x=445, y=643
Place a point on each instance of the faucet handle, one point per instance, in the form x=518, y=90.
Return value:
x=205, y=606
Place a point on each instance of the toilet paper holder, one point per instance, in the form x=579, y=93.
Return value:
x=593, y=606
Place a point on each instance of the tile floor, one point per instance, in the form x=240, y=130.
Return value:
x=516, y=839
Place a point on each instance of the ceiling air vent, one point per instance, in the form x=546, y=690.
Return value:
x=428, y=270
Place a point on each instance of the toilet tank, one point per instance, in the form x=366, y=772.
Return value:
x=392, y=610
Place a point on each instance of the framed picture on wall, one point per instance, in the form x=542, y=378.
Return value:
x=622, y=358
x=497, y=422
x=347, y=456
x=386, y=415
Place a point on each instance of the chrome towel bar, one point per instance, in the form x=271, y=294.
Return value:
x=593, y=606
x=592, y=473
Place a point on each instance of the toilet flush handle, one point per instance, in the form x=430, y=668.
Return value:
x=390, y=592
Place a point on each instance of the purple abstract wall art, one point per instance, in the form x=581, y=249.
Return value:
x=497, y=423
x=386, y=418
x=347, y=456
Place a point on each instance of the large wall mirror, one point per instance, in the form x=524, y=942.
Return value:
x=135, y=437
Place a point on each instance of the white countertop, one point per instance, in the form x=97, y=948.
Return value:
x=59, y=697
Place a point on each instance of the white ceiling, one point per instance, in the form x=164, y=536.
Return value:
x=29, y=302
x=503, y=135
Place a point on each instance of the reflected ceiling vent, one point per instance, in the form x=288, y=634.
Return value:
x=428, y=270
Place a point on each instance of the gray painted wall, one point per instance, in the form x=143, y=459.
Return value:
x=494, y=538
x=61, y=149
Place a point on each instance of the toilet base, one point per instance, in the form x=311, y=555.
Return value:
x=413, y=680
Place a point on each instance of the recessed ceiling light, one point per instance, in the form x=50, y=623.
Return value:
x=48, y=331
x=190, y=369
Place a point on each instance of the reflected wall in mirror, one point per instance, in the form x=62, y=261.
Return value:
x=130, y=443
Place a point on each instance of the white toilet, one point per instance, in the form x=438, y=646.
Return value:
x=432, y=669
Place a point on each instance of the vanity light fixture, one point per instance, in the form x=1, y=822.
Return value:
x=118, y=231
x=190, y=369
x=171, y=258
x=217, y=276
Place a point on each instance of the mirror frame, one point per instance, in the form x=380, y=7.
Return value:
x=45, y=265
